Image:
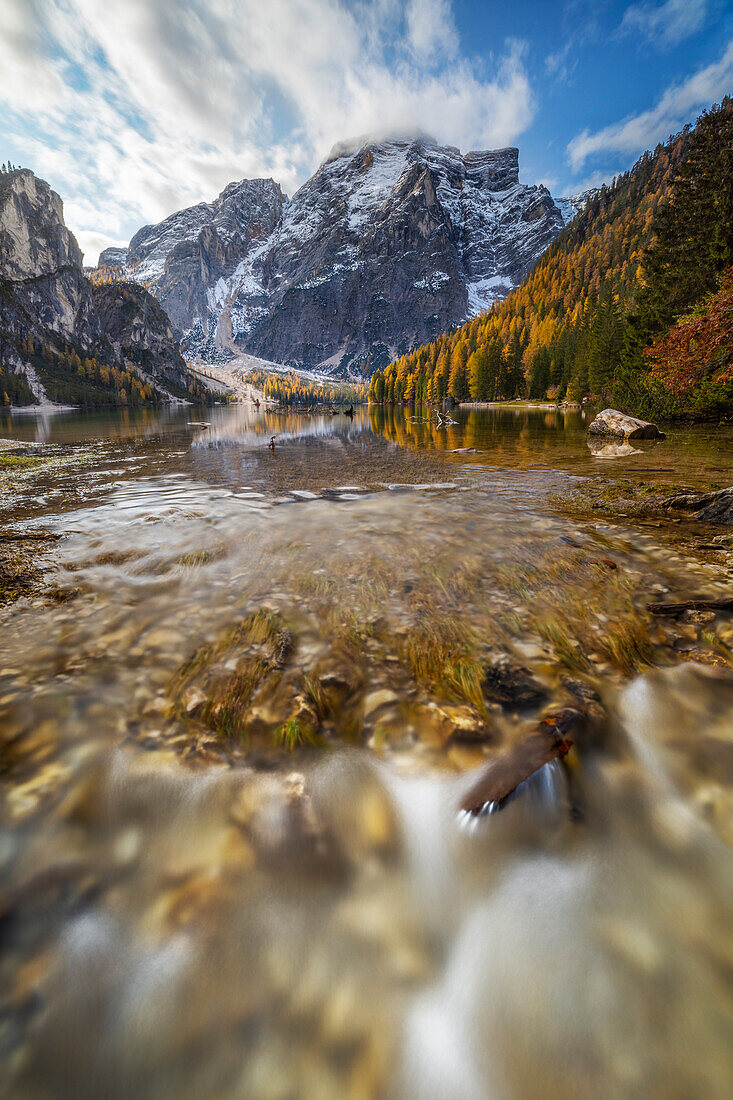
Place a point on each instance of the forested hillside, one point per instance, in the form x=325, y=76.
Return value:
x=598, y=313
x=296, y=389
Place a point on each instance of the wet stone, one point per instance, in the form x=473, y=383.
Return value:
x=512, y=686
x=466, y=725
x=377, y=700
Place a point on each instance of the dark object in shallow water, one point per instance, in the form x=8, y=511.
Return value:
x=512, y=686
x=714, y=507
x=502, y=777
x=349, y=411
x=28, y=536
x=699, y=603
x=271, y=444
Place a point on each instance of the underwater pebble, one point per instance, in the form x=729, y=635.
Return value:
x=378, y=699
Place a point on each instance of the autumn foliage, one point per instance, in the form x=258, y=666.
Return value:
x=699, y=348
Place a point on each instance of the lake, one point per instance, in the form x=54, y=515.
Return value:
x=242, y=698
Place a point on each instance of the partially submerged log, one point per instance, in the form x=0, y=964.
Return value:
x=714, y=507
x=502, y=777
x=28, y=536
x=698, y=603
x=613, y=423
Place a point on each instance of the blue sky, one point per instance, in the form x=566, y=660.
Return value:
x=134, y=108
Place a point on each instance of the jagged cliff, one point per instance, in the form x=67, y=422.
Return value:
x=386, y=245
x=60, y=337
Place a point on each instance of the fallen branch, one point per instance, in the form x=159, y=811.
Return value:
x=502, y=777
x=36, y=536
x=697, y=604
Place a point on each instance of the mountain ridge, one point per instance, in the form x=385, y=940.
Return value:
x=388, y=243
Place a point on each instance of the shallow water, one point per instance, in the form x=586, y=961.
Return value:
x=189, y=908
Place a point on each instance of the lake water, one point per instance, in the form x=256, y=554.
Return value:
x=240, y=706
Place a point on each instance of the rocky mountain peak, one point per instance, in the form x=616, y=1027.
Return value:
x=391, y=241
x=34, y=240
x=350, y=147
x=49, y=309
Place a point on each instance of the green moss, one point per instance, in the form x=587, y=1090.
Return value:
x=11, y=460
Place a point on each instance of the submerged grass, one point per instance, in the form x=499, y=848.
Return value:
x=317, y=696
x=196, y=558
x=628, y=646
x=292, y=735
x=261, y=643
x=567, y=651
x=464, y=678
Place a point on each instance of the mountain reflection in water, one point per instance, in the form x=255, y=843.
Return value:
x=190, y=909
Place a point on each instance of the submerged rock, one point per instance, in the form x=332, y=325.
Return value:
x=611, y=422
x=467, y=726
x=512, y=686
x=711, y=507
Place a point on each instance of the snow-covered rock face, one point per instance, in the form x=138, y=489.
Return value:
x=185, y=256
x=572, y=205
x=384, y=247
x=112, y=257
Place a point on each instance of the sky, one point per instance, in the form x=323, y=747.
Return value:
x=132, y=109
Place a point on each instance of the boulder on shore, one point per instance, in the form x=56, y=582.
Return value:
x=714, y=507
x=611, y=422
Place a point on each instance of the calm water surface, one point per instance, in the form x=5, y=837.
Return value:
x=238, y=717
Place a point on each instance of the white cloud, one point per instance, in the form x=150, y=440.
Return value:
x=668, y=23
x=677, y=106
x=431, y=30
x=134, y=109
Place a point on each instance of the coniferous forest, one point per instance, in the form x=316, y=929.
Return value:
x=631, y=304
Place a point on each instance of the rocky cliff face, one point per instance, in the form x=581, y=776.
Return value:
x=51, y=315
x=184, y=257
x=388, y=244
x=140, y=332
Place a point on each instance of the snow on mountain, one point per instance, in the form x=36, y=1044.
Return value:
x=388, y=244
x=572, y=205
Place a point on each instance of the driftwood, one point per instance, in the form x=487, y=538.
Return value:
x=502, y=777
x=36, y=536
x=698, y=604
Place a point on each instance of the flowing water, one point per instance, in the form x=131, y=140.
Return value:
x=241, y=699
